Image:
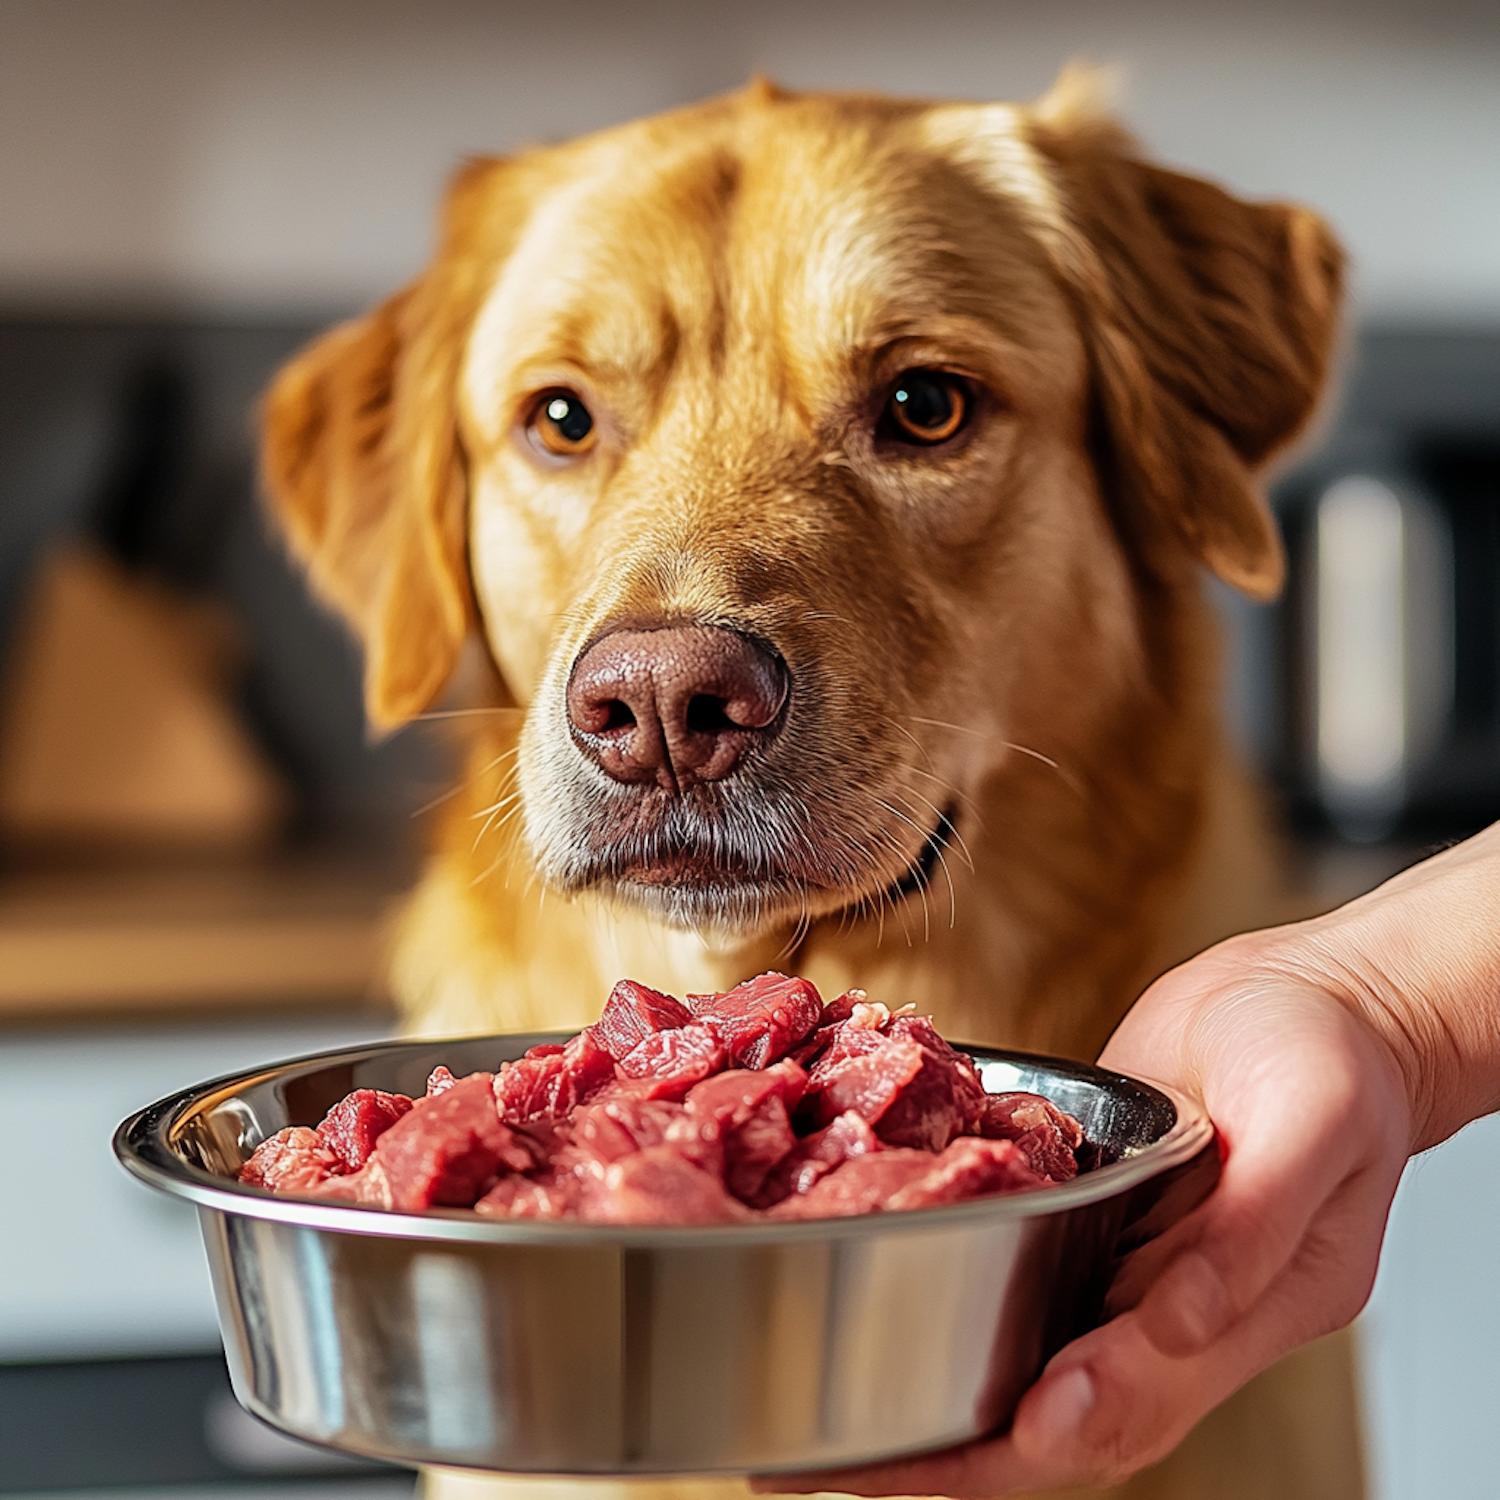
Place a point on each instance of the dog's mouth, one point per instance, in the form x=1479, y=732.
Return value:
x=700, y=870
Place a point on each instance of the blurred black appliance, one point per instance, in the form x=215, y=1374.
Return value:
x=1385, y=649
x=138, y=433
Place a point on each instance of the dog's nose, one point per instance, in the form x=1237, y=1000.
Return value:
x=675, y=705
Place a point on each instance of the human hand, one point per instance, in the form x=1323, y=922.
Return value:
x=1326, y=1053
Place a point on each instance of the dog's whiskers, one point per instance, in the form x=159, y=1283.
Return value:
x=911, y=867
x=944, y=724
x=434, y=714
x=463, y=783
x=1068, y=779
x=936, y=847
x=922, y=749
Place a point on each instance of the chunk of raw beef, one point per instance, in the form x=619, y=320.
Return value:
x=747, y=1110
x=351, y=1128
x=549, y=1082
x=632, y=1013
x=657, y=1186
x=816, y=1155
x=761, y=1020
x=938, y=1103
x=868, y=1082
x=860, y=1186
x=969, y=1168
x=447, y=1148
x=668, y=1063
x=369, y=1187
x=293, y=1160
x=1047, y=1137
x=546, y=1197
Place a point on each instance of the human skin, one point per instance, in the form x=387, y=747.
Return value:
x=1327, y=1052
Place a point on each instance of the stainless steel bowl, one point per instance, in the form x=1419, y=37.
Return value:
x=447, y=1338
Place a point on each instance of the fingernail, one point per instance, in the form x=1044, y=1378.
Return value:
x=1061, y=1406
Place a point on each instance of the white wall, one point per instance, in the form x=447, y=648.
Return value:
x=284, y=154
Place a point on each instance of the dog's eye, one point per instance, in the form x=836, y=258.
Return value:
x=927, y=406
x=561, y=424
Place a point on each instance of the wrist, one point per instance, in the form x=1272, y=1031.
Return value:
x=1417, y=961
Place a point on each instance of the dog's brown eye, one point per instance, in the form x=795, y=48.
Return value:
x=927, y=406
x=562, y=425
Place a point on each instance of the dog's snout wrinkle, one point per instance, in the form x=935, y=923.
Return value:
x=675, y=705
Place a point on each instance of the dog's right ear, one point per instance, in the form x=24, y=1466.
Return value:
x=364, y=468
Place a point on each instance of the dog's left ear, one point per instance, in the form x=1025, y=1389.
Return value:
x=1211, y=324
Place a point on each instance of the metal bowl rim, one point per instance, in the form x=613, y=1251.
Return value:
x=142, y=1143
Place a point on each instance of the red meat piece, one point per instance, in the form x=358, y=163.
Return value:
x=860, y=1186
x=762, y=1019
x=446, y=1150
x=841, y=1008
x=351, y=1128
x=551, y=1081
x=834, y=1013
x=657, y=1186
x=547, y=1197
x=669, y=1063
x=747, y=1111
x=615, y=1126
x=939, y=1102
x=293, y=1160
x=1046, y=1136
x=439, y=1080
x=731, y=1097
x=969, y=1168
x=868, y=1084
x=755, y=1148
x=816, y=1155
x=851, y=1037
x=369, y=1187
x=862, y=1070
x=598, y=1136
x=632, y=1013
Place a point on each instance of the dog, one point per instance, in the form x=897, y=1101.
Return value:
x=815, y=492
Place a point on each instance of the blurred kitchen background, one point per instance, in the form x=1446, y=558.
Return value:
x=199, y=845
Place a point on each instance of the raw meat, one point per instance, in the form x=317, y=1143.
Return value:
x=550, y=1082
x=667, y=1064
x=760, y=1103
x=632, y=1013
x=448, y=1148
x=761, y=1020
x=291, y=1161
x=1048, y=1138
x=860, y=1186
x=351, y=1128
x=657, y=1186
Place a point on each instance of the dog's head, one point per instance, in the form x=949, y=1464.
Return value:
x=800, y=459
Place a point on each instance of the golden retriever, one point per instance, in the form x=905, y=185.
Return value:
x=829, y=480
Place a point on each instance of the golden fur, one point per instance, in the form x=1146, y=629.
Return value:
x=1007, y=631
